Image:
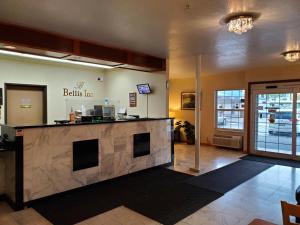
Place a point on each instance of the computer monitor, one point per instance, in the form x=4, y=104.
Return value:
x=108, y=111
x=98, y=110
x=144, y=88
x=122, y=110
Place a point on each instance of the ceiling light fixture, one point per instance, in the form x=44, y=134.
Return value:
x=9, y=47
x=51, y=59
x=240, y=22
x=291, y=56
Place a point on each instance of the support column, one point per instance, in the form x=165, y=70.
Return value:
x=197, y=113
x=167, y=87
x=168, y=110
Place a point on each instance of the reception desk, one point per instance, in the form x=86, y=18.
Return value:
x=51, y=159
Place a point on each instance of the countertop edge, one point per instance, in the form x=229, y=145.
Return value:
x=88, y=123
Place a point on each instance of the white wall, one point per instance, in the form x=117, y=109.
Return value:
x=116, y=85
x=119, y=82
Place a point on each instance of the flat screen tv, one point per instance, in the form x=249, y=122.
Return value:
x=144, y=88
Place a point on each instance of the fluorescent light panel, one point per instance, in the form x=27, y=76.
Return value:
x=45, y=58
x=9, y=47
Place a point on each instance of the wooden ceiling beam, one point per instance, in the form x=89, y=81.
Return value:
x=36, y=39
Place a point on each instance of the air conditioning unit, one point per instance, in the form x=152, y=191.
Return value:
x=235, y=142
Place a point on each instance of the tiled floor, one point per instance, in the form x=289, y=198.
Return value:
x=117, y=216
x=24, y=217
x=257, y=198
x=211, y=158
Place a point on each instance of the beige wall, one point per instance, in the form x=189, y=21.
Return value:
x=116, y=85
x=233, y=80
x=176, y=87
x=56, y=76
x=119, y=83
x=209, y=85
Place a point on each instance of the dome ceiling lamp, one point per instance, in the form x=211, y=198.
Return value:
x=240, y=22
x=291, y=56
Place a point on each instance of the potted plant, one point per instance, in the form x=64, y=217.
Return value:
x=178, y=126
x=189, y=130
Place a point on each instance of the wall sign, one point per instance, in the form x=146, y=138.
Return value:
x=25, y=103
x=132, y=99
x=78, y=91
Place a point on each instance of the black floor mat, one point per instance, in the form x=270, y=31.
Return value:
x=170, y=205
x=228, y=177
x=157, y=193
x=270, y=160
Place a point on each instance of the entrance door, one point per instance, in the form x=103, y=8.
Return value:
x=297, y=119
x=275, y=128
x=25, y=105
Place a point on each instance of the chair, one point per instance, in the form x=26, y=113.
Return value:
x=289, y=210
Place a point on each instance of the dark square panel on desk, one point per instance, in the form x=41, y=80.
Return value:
x=141, y=144
x=85, y=154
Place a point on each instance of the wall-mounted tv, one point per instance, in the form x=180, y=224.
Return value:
x=144, y=88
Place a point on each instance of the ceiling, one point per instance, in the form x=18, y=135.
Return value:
x=166, y=28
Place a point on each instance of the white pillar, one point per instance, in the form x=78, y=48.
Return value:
x=197, y=113
x=167, y=86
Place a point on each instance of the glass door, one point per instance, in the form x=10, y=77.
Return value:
x=297, y=119
x=274, y=127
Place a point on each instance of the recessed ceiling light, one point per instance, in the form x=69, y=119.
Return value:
x=240, y=22
x=291, y=56
x=51, y=59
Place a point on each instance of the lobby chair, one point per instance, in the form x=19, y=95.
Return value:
x=289, y=210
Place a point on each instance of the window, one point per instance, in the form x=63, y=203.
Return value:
x=230, y=109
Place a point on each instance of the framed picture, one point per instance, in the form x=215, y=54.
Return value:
x=188, y=100
x=132, y=99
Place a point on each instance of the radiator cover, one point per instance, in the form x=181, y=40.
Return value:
x=228, y=141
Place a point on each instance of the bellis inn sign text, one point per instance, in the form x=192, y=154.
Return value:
x=77, y=91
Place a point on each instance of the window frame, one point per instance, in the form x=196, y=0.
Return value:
x=228, y=110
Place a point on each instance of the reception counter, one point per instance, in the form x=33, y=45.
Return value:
x=51, y=159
